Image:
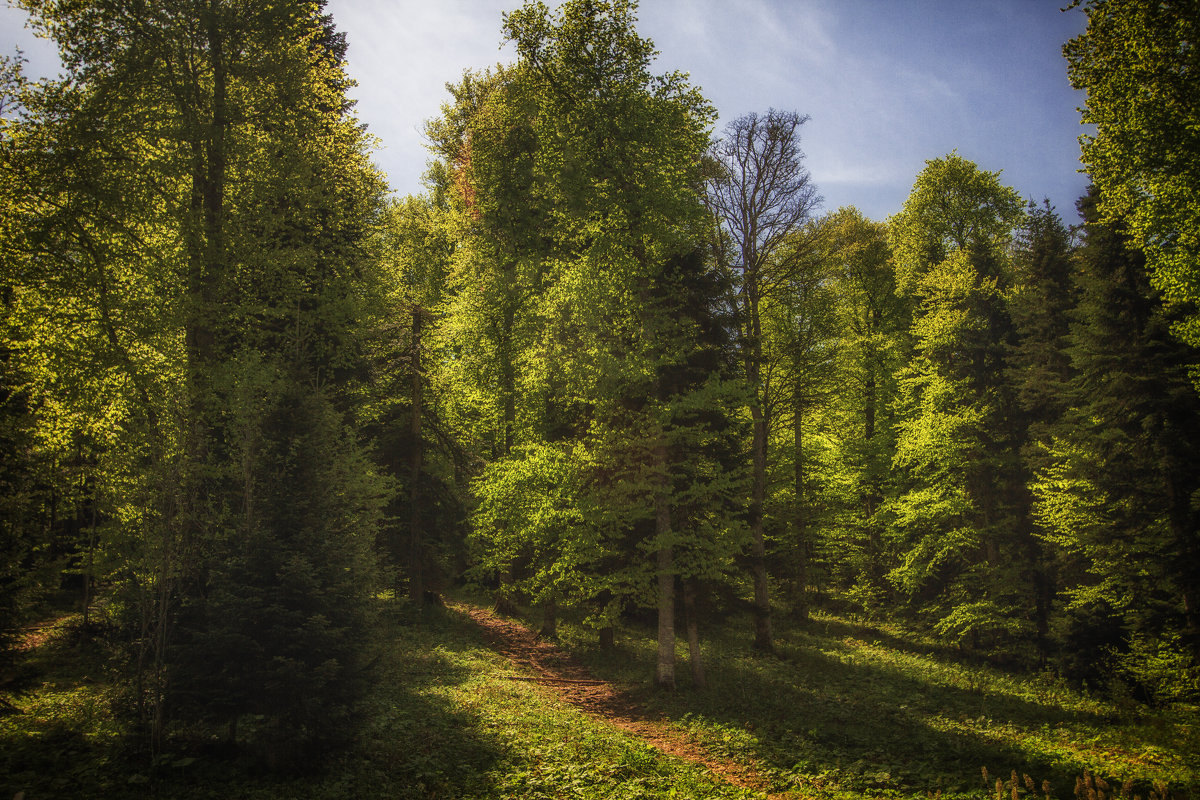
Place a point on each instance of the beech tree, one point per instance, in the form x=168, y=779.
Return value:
x=956, y=519
x=497, y=386
x=1140, y=67
x=872, y=323
x=799, y=348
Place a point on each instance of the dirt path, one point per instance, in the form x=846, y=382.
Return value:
x=556, y=670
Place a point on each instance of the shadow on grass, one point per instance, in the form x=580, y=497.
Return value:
x=408, y=740
x=826, y=710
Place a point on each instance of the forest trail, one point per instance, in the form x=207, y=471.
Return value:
x=555, y=669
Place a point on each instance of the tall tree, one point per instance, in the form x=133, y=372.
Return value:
x=1139, y=64
x=496, y=393
x=760, y=196
x=416, y=244
x=619, y=156
x=202, y=195
x=872, y=321
x=1042, y=297
x=799, y=348
x=1116, y=497
x=956, y=517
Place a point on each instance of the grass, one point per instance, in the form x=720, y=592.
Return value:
x=850, y=710
x=441, y=722
x=842, y=710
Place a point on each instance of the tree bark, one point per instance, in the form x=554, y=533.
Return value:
x=504, y=594
x=508, y=388
x=416, y=556
x=800, y=533
x=763, y=639
x=608, y=637
x=664, y=675
x=693, y=635
x=549, y=618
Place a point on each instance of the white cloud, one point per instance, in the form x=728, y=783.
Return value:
x=888, y=84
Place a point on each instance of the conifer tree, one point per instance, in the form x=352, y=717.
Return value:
x=1040, y=303
x=1116, y=497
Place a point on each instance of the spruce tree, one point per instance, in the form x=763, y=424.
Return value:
x=1039, y=368
x=1117, y=496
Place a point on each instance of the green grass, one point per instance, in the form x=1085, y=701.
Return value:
x=441, y=722
x=843, y=710
x=849, y=710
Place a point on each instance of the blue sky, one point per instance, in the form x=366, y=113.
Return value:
x=888, y=83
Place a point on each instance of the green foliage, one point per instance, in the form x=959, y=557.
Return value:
x=580, y=353
x=850, y=710
x=955, y=520
x=285, y=633
x=872, y=321
x=1140, y=67
x=1115, y=498
x=191, y=206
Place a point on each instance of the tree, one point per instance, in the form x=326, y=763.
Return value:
x=495, y=394
x=1140, y=66
x=759, y=197
x=416, y=244
x=198, y=200
x=956, y=518
x=1116, y=496
x=799, y=348
x=1039, y=368
x=617, y=162
x=873, y=323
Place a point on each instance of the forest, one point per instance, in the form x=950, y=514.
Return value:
x=853, y=507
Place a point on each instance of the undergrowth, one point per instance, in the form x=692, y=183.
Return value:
x=849, y=710
x=841, y=710
x=442, y=721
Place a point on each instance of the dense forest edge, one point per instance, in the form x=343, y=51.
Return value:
x=864, y=508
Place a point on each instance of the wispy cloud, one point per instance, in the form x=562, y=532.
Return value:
x=888, y=84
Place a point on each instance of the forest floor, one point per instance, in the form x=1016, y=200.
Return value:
x=556, y=670
x=466, y=705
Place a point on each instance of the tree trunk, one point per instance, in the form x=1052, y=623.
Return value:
x=693, y=634
x=549, y=618
x=758, y=549
x=763, y=639
x=608, y=637
x=90, y=571
x=416, y=557
x=800, y=533
x=508, y=388
x=504, y=594
x=665, y=672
